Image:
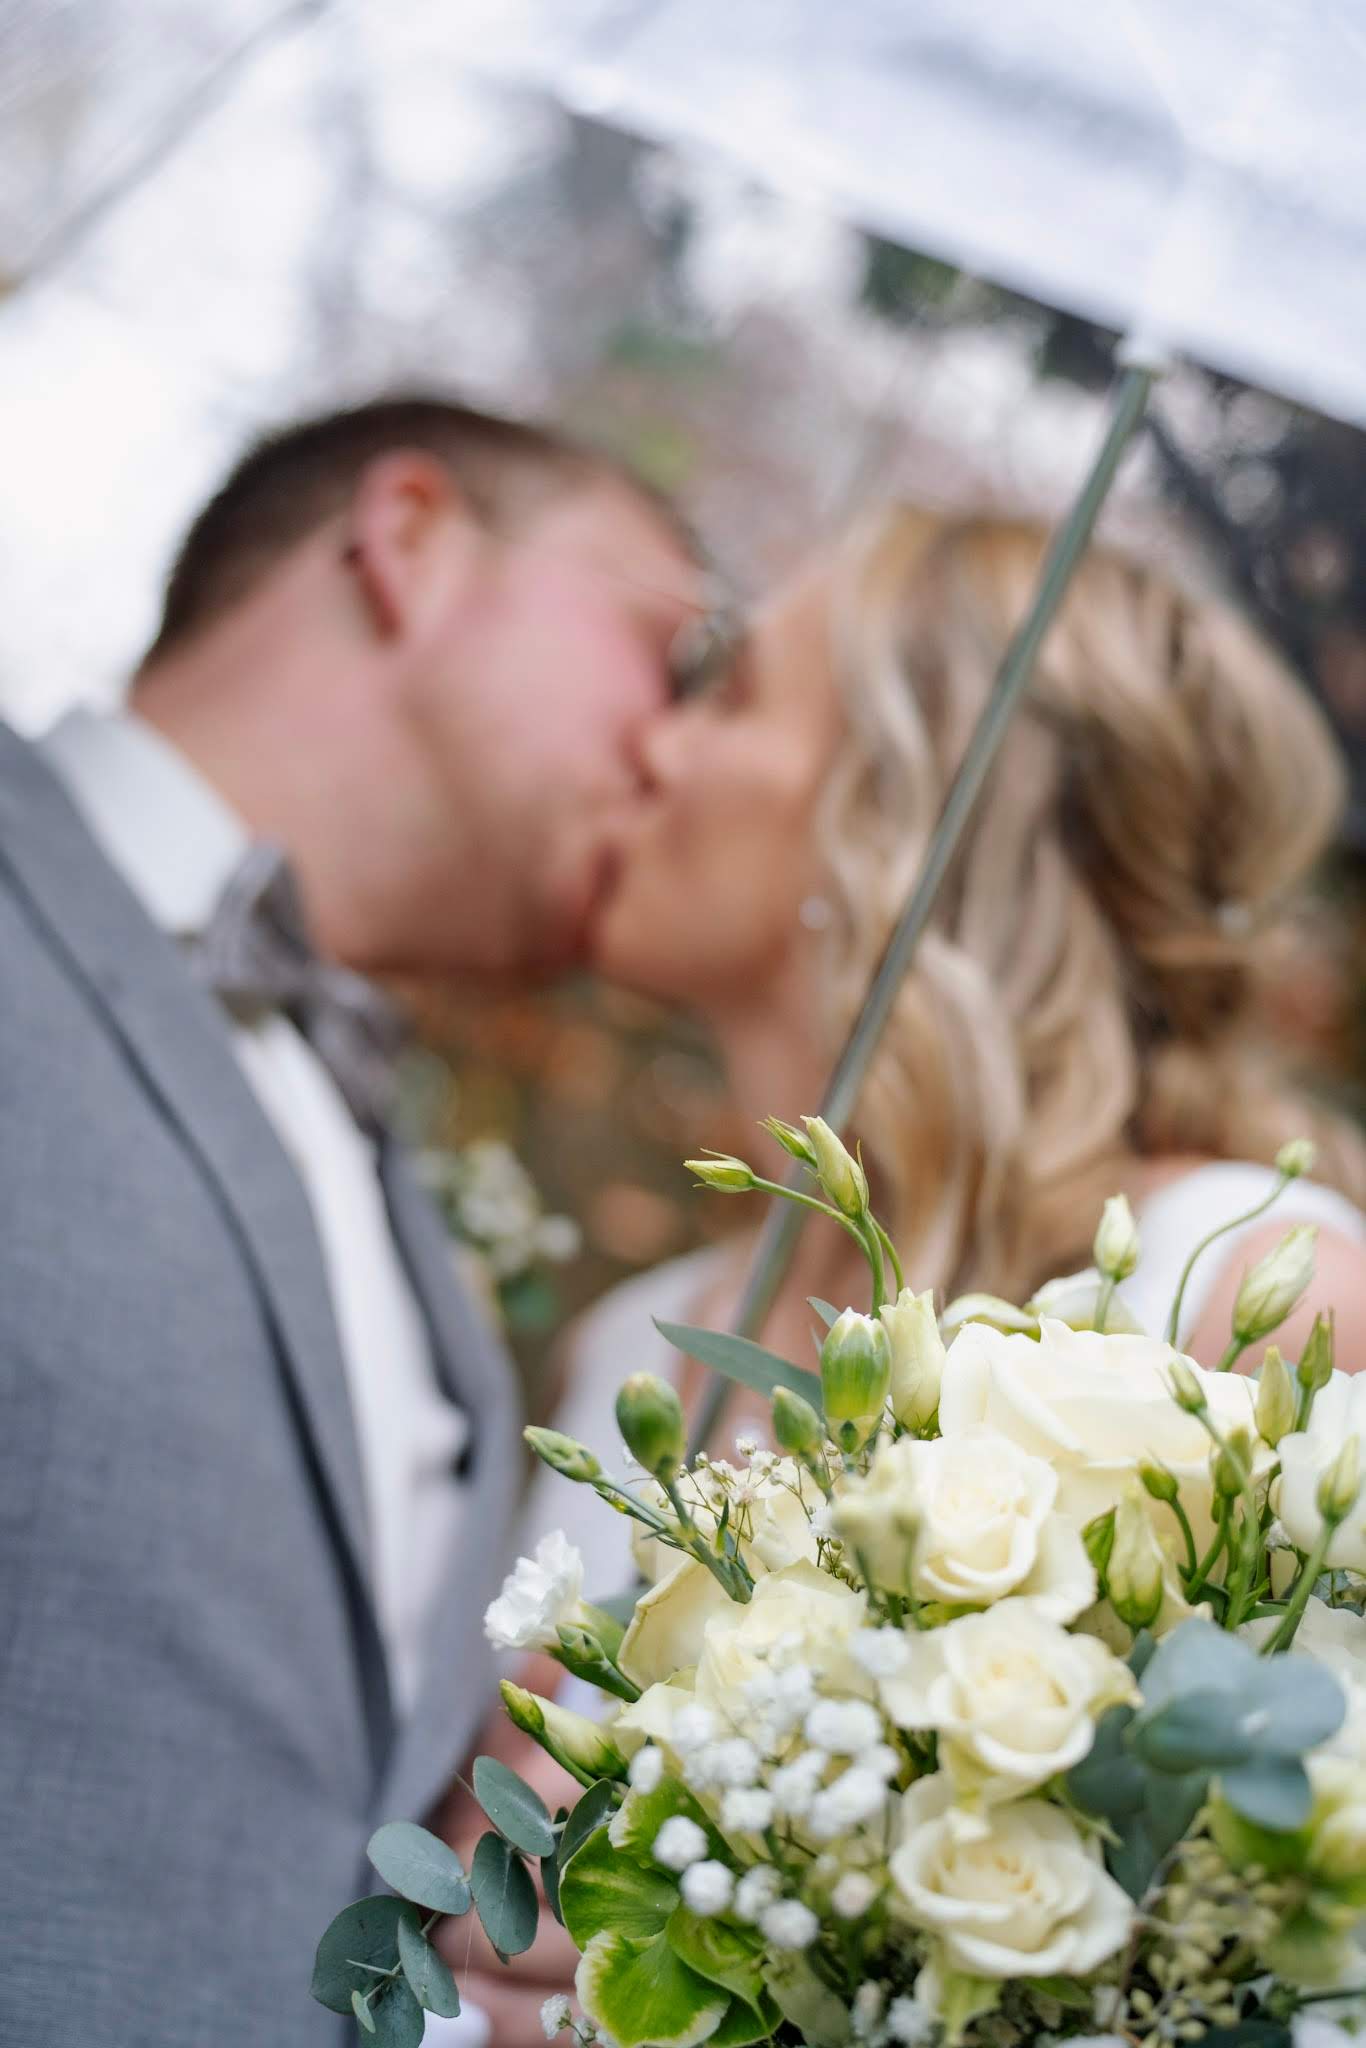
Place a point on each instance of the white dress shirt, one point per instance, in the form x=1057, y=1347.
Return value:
x=175, y=843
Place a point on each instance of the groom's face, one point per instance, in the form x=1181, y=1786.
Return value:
x=556, y=661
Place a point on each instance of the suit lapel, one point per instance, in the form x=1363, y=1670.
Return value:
x=476, y=1374
x=174, y=1033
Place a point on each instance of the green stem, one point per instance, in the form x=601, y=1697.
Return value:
x=1235, y=1223
x=1211, y=1556
x=1187, y=1533
x=1103, y=1300
x=890, y=1249
x=1299, y=1599
x=872, y=1251
x=776, y=1187
x=1237, y=1346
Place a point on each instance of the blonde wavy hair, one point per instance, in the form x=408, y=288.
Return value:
x=1093, y=985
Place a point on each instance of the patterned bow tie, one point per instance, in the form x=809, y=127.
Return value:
x=256, y=955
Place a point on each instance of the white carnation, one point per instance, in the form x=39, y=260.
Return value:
x=853, y=1895
x=540, y=1595
x=746, y=1811
x=646, y=1769
x=789, y=1924
x=679, y=1843
x=845, y=1727
x=756, y=1892
x=707, y=1888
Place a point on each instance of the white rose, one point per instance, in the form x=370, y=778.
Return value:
x=540, y=1595
x=1093, y=1406
x=1013, y=1698
x=1339, y=1412
x=665, y=1634
x=798, y=1616
x=1336, y=1638
x=966, y=1520
x=1028, y=1896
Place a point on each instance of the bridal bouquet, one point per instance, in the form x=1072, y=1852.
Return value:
x=1017, y=1696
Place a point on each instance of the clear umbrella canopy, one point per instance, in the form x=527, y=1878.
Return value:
x=1195, y=175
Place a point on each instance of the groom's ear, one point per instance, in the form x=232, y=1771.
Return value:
x=410, y=533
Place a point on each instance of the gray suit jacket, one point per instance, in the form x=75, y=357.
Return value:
x=195, y=1731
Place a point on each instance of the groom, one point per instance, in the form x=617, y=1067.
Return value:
x=257, y=1457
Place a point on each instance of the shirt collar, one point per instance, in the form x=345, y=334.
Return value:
x=162, y=826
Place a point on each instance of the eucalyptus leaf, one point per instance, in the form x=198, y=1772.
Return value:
x=419, y=1866
x=550, y=1868
x=1108, y=1781
x=1196, y=1731
x=365, y=1933
x=361, y=2008
x=504, y=1896
x=429, y=1980
x=741, y=1360
x=595, y=1808
x=398, y=2017
x=1197, y=1656
x=518, y=1813
x=1273, y=1792
x=1133, y=1857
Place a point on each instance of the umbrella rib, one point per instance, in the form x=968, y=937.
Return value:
x=784, y=1222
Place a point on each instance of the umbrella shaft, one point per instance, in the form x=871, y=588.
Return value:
x=784, y=1222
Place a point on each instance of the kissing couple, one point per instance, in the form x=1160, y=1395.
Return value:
x=437, y=694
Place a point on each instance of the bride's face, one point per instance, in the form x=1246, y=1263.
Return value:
x=716, y=855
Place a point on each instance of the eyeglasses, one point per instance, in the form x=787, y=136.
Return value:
x=704, y=647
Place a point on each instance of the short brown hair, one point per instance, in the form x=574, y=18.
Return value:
x=295, y=480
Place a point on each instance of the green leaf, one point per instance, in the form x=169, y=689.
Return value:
x=620, y=1606
x=518, y=1813
x=596, y=1807
x=1249, y=2034
x=361, y=2009
x=1197, y=1656
x=638, y=1991
x=826, y=1310
x=429, y=1980
x=504, y=1896
x=1170, y=1806
x=605, y=1888
x=1132, y=1859
x=1065, y=1991
x=722, y=1953
x=1273, y=1792
x=741, y=1360
x=643, y=1814
x=366, y=1932
x=398, y=2017
x=744, y=2023
x=419, y=1866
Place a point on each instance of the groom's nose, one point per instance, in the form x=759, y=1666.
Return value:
x=660, y=750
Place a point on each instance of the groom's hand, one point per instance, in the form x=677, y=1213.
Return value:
x=512, y=1994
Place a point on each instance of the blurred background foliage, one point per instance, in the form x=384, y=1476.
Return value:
x=215, y=215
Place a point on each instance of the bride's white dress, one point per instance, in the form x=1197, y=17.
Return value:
x=617, y=1335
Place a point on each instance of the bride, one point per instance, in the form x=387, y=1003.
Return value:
x=1089, y=1011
